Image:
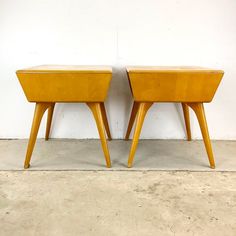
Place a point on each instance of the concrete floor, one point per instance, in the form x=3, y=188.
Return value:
x=137, y=201
x=59, y=154
x=127, y=203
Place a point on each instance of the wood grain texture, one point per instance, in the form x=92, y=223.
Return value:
x=187, y=121
x=105, y=120
x=97, y=113
x=49, y=84
x=174, y=84
x=198, y=108
x=189, y=85
x=142, y=111
x=49, y=121
x=40, y=108
x=132, y=119
x=65, y=83
x=67, y=69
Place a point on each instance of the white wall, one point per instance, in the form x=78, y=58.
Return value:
x=118, y=33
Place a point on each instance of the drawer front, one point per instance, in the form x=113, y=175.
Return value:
x=174, y=87
x=63, y=87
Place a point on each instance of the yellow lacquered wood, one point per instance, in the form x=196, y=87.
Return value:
x=132, y=119
x=174, y=84
x=49, y=84
x=40, y=108
x=134, y=113
x=189, y=85
x=67, y=69
x=187, y=121
x=49, y=120
x=105, y=120
x=65, y=83
x=198, y=108
x=142, y=111
x=97, y=113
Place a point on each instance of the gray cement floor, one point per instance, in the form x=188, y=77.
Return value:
x=59, y=154
x=118, y=203
x=137, y=201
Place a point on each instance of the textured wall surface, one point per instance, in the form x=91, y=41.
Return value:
x=118, y=33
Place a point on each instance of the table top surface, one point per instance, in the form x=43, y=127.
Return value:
x=151, y=69
x=67, y=69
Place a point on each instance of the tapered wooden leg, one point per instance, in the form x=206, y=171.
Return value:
x=198, y=108
x=97, y=113
x=132, y=119
x=40, y=108
x=142, y=111
x=187, y=121
x=49, y=121
x=105, y=121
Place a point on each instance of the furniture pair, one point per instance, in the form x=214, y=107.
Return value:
x=47, y=85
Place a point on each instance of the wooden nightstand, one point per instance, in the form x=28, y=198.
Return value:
x=191, y=86
x=49, y=84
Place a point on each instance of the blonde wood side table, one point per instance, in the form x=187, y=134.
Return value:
x=49, y=84
x=191, y=86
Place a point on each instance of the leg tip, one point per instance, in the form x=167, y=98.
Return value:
x=108, y=163
x=26, y=166
x=212, y=167
x=129, y=165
